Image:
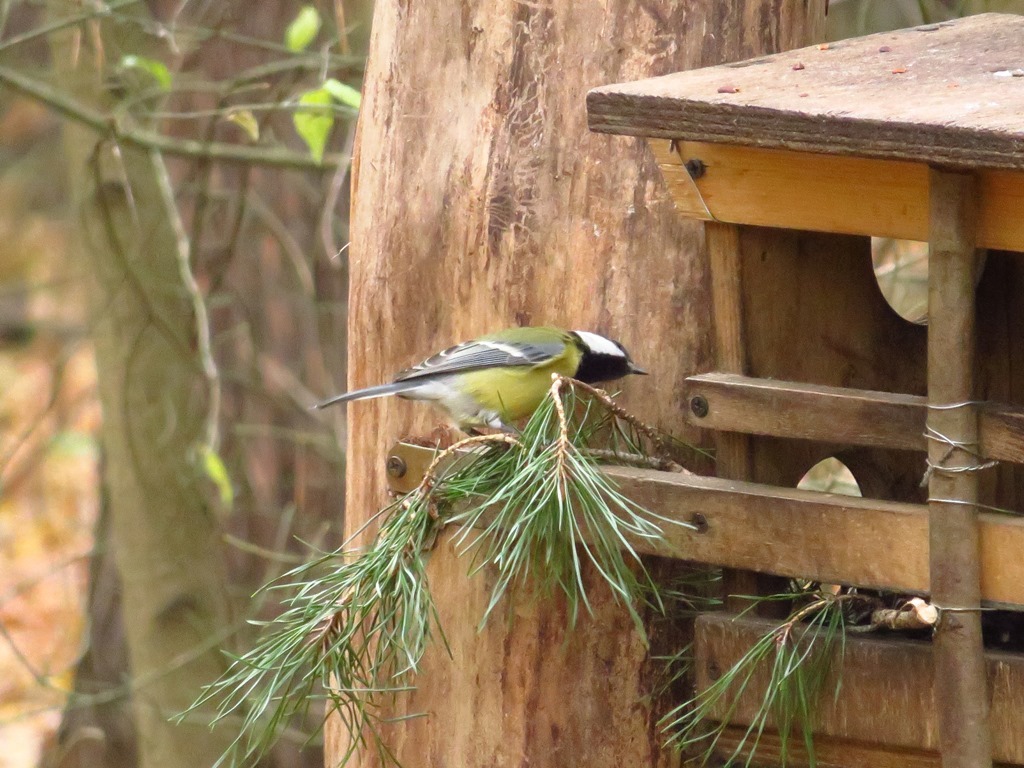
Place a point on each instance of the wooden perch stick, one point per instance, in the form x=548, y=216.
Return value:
x=913, y=614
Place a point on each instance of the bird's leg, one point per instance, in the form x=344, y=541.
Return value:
x=443, y=436
x=499, y=425
x=494, y=427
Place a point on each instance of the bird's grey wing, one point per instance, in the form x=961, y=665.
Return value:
x=474, y=355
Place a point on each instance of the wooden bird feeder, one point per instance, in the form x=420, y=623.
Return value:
x=915, y=134
x=792, y=159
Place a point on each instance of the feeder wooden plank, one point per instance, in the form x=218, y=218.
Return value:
x=828, y=752
x=732, y=450
x=839, y=415
x=790, y=532
x=943, y=93
x=886, y=697
x=808, y=411
x=1001, y=432
x=823, y=193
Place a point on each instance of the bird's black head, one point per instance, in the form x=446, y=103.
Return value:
x=603, y=359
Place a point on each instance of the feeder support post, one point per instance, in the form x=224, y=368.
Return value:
x=954, y=545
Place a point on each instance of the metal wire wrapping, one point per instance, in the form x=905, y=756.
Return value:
x=972, y=449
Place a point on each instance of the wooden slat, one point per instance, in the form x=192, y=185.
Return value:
x=886, y=698
x=941, y=94
x=799, y=190
x=828, y=752
x=790, y=532
x=1001, y=432
x=840, y=416
x=809, y=411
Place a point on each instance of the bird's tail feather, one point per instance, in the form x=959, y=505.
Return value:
x=382, y=390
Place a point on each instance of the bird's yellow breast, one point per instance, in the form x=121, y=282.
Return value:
x=514, y=392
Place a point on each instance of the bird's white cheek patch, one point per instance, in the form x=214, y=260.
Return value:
x=599, y=345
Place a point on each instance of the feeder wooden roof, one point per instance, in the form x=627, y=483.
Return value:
x=949, y=93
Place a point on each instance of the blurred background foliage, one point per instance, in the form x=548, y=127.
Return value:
x=268, y=257
x=267, y=253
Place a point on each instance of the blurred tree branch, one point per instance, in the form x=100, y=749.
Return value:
x=140, y=138
x=205, y=280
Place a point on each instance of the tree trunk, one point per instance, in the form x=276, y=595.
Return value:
x=151, y=390
x=482, y=201
x=94, y=732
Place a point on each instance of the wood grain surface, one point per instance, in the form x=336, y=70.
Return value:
x=828, y=193
x=840, y=416
x=943, y=93
x=961, y=688
x=887, y=695
x=825, y=537
x=481, y=201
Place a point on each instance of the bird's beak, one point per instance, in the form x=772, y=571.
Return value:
x=634, y=368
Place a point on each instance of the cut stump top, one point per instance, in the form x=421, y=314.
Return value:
x=946, y=94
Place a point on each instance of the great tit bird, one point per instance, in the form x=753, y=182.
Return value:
x=498, y=379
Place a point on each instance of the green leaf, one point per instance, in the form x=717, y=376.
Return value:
x=246, y=120
x=69, y=442
x=156, y=69
x=303, y=29
x=314, y=120
x=343, y=93
x=217, y=472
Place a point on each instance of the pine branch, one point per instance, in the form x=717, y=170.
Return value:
x=798, y=655
x=535, y=508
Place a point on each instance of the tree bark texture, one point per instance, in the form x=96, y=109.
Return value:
x=151, y=390
x=481, y=201
x=99, y=734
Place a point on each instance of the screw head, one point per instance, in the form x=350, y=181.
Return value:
x=396, y=466
x=699, y=406
x=695, y=167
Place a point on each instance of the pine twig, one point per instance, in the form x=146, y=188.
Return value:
x=637, y=460
x=651, y=432
x=430, y=477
